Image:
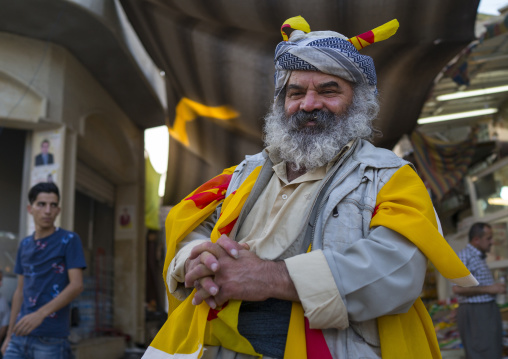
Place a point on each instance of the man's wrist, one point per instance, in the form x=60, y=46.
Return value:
x=280, y=283
x=43, y=312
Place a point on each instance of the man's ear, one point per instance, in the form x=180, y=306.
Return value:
x=29, y=208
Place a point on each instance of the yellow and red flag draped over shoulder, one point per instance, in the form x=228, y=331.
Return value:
x=188, y=214
x=190, y=327
x=402, y=205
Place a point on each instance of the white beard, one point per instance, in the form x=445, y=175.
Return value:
x=314, y=146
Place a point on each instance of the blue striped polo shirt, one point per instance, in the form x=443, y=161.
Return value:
x=474, y=260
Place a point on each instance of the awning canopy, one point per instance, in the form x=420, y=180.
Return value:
x=218, y=58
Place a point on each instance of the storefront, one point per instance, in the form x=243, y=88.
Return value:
x=61, y=121
x=461, y=153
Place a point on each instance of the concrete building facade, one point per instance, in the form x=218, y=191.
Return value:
x=87, y=95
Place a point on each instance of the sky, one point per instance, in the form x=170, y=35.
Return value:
x=490, y=7
x=157, y=138
x=157, y=145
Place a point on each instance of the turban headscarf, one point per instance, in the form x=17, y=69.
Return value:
x=328, y=52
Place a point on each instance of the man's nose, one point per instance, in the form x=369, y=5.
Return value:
x=311, y=102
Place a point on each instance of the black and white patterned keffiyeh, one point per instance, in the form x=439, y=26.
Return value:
x=325, y=51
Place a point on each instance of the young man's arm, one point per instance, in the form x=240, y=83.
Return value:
x=17, y=300
x=31, y=321
x=5, y=316
x=3, y=330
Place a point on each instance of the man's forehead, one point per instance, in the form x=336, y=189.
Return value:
x=46, y=197
x=316, y=77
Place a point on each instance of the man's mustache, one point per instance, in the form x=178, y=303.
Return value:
x=321, y=118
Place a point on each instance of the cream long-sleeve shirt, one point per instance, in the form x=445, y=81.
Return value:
x=271, y=229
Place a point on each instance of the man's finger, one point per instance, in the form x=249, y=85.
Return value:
x=211, y=302
x=199, y=296
x=209, y=286
x=22, y=328
x=205, y=288
x=230, y=246
x=219, y=300
x=195, y=273
x=210, y=261
x=17, y=328
x=208, y=254
x=209, y=247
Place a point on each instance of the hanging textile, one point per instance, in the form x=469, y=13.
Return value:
x=442, y=164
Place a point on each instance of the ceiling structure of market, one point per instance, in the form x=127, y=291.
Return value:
x=218, y=63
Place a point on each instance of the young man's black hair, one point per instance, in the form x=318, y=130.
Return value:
x=43, y=187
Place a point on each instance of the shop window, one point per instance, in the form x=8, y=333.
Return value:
x=94, y=222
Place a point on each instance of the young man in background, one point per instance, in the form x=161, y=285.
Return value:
x=49, y=266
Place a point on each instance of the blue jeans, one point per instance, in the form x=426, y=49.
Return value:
x=31, y=347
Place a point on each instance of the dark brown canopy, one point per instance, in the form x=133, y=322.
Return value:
x=220, y=53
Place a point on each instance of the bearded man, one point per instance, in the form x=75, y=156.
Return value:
x=319, y=247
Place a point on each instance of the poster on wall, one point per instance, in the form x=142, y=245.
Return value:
x=47, y=156
x=46, y=162
x=126, y=222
